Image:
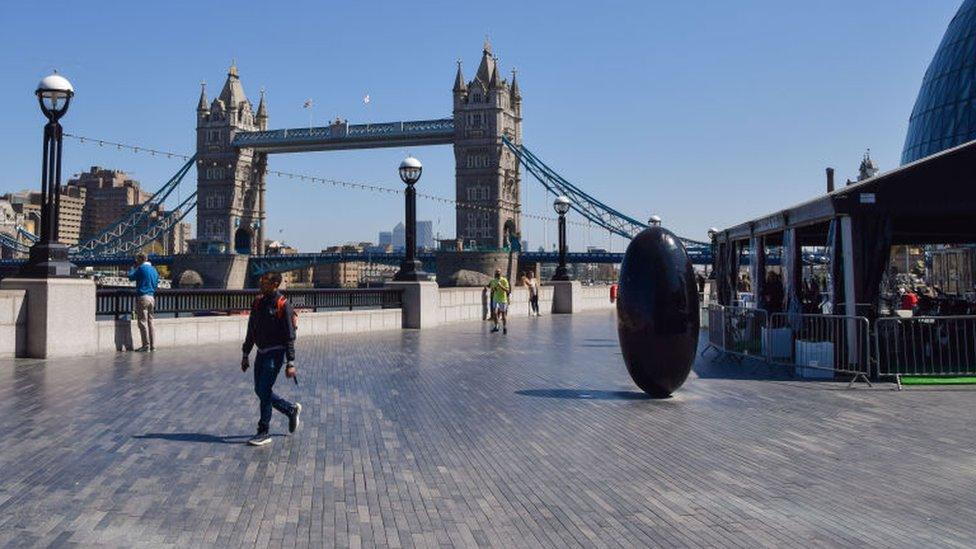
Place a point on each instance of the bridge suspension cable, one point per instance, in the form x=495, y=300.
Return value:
x=153, y=232
x=586, y=205
x=10, y=242
x=134, y=221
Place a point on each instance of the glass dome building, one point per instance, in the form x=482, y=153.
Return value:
x=945, y=111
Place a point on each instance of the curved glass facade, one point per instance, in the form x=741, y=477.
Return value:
x=945, y=111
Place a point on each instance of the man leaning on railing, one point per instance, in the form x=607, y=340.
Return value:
x=147, y=280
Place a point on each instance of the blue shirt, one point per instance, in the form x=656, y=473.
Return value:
x=146, y=278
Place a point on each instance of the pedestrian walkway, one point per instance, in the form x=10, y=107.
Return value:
x=454, y=436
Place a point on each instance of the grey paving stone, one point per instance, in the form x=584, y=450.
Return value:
x=457, y=437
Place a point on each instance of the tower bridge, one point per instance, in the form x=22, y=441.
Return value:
x=233, y=141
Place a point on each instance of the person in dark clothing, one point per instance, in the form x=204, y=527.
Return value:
x=271, y=327
x=773, y=293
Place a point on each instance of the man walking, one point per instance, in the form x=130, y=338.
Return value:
x=146, y=279
x=499, y=289
x=271, y=327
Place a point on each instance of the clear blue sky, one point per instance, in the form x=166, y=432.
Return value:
x=706, y=113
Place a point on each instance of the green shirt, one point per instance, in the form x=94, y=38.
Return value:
x=499, y=289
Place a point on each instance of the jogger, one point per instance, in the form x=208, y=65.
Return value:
x=499, y=289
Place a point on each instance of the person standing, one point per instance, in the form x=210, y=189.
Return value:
x=499, y=289
x=533, y=285
x=271, y=327
x=147, y=280
x=772, y=300
x=909, y=301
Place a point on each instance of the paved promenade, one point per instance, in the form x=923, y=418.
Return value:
x=457, y=437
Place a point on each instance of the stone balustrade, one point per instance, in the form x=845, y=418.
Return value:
x=66, y=300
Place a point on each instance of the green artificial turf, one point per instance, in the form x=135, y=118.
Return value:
x=965, y=380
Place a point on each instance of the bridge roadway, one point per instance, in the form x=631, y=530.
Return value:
x=457, y=437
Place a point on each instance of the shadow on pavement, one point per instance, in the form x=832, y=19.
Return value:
x=584, y=394
x=198, y=437
x=724, y=366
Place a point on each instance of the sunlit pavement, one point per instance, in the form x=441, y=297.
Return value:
x=454, y=436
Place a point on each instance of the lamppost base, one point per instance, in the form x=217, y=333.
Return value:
x=48, y=261
x=411, y=271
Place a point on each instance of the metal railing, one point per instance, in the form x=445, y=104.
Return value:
x=926, y=346
x=844, y=345
x=742, y=331
x=716, y=326
x=833, y=344
x=121, y=302
x=829, y=343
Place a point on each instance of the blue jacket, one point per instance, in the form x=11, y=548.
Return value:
x=146, y=278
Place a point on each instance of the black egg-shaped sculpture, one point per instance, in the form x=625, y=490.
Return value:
x=657, y=312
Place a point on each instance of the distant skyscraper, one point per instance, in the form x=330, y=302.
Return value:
x=386, y=238
x=425, y=234
x=399, y=236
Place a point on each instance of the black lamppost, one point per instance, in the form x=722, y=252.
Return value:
x=411, y=269
x=561, y=205
x=48, y=257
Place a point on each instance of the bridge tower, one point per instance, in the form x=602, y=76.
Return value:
x=230, y=181
x=487, y=173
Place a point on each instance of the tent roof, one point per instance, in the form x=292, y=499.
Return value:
x=931, y=201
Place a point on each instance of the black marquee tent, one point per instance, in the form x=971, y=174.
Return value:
x=930, y=201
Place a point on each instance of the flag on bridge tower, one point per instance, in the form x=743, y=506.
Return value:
x=366, y=100
x=308, y=106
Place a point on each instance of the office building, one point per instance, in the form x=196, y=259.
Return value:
x=399, y=237
x=110, y=194
x=425, y=235
x=28, y=205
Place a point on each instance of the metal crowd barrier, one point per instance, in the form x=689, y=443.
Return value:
x=742, y=331
x=831, y=344
x=714, y=322
x=117, y=303
x=926, y=346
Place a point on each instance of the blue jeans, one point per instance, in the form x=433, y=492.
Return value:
x=266, y=368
